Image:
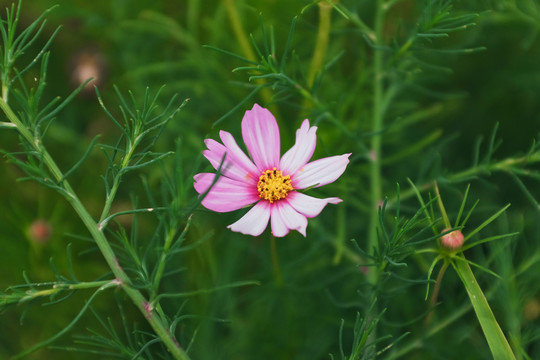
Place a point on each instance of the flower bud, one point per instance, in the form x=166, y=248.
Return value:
x=40, y=231
x=88, y=64
x=453, y=240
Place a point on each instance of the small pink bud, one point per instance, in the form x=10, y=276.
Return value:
x=453, y=240
x=40, y=231
x=88, y=64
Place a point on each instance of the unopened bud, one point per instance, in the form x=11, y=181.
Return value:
x=40, y=231
x=88, y=64
x=452, y=240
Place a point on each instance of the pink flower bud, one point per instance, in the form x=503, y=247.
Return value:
x=453, y=240
x=40, y=231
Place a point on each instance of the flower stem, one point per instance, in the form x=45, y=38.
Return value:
x=340, y=235
x=101, y=241
x=436, y=290
x=376, y=140
x=499, y=346
x=244, y=42
x=375, y=152
x=275, y=263
x=321, y=44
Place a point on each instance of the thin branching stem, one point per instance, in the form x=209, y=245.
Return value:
x=116, y=183
x=140, y=301
x=508, y=165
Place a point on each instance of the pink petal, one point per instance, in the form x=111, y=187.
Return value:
x=226, y=194
x=285, y=218
x=240, y=158
x=302, y=150
x=237, y=165
x=261, y=136
x=215, y=154
x=308, y=205
x=320, y=172
x=254, y=221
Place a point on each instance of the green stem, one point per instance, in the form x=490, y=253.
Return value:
x=84, y=285
x=499, y=346
x=7, y=125
x=275, y=262
x=506, y=165
x=116, y=184
x=376, y=140
x=101, y=241
x=162, y=260
x=340, y=236
x=321, y=44
x=375, y=152
x=244, y=42
x=4, y=92
x=166, y=247
x=436, y=290
x=32, y=294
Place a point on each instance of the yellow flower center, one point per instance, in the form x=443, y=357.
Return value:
x=273, y=186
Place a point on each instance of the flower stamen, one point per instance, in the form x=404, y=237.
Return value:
x=273, y=186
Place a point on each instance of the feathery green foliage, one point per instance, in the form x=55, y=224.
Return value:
x=436, y=100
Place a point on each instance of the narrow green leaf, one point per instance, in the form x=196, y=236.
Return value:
x=525, y=191
x=462, y=207
x=82, y=159
x=231, y=54
x=488, y=239
x=486, y=223
x=491, y=146
x=287, y=45
x=499, y=346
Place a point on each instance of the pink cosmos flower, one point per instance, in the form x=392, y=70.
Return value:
x=266, y=179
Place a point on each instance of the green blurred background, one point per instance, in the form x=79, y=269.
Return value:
x=137, y=43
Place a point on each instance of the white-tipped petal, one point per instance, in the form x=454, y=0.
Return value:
x=285, y=218
x=309, y=205
x=234, y=163
x=320, y=172
x=261, y=135
x=226, y=194
x=302, y=151
x=248, y=170
x=254, y=221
